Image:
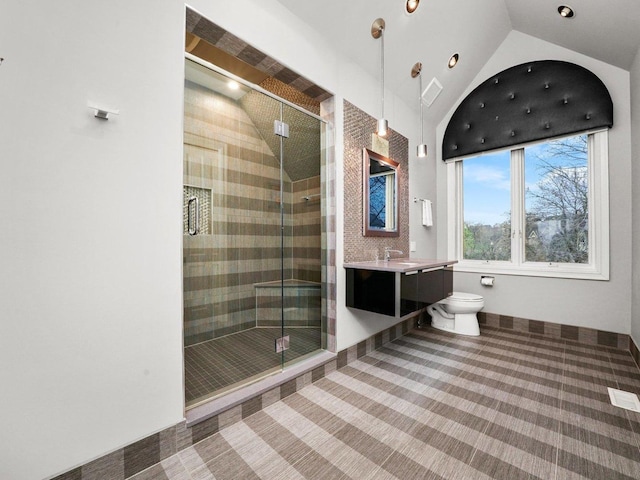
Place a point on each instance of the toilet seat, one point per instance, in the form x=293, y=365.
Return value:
x=465, y=297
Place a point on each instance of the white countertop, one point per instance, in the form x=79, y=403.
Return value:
x=401, y=265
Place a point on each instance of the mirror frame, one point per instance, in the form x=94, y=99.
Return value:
x=367, y=231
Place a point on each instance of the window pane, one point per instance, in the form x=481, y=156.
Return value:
x=487, y=207
x=556, y=202
x=377, y=198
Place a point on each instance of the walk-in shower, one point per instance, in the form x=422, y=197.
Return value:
x=253, y=233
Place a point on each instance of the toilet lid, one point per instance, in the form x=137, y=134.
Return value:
x=465, y=297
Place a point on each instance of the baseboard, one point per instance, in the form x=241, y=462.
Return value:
x=635, y=351
x=589, y=336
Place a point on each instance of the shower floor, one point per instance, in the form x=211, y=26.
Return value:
x=220, y=364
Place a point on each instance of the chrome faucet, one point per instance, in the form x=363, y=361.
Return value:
x=387, y=253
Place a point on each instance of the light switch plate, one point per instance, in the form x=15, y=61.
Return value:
x=412, y=246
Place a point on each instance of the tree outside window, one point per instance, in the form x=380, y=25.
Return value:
x=557, y=201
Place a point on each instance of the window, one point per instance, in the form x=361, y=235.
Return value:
x=539, y=210
x=487, y=216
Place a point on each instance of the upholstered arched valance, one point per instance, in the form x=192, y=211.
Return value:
x=528, y=102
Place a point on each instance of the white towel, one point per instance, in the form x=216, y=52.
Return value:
x=427, y=214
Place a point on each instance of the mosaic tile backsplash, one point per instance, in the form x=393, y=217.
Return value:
x=358, y=127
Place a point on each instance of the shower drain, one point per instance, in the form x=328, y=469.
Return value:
x=622, y=399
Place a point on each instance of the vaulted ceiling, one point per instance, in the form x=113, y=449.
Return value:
x=605, y=30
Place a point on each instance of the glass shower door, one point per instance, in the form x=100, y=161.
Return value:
x=302, y=235
x=251, y=205
x=232, y=236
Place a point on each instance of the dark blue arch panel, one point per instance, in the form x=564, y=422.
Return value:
x=525, y=103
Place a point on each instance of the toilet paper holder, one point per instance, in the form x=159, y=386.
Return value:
x=487, y=281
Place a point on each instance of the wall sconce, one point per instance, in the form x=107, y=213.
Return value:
x=377, y=31
x=416, y=71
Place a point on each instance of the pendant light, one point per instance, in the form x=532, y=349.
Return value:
x=411, y=6
x=377, y=31
x=421, y=151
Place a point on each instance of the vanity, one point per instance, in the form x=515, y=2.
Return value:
x=398, y=287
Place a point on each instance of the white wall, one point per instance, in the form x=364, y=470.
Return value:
x=635, y=145
x=596, y=304
x=423, y=184
x=90, y=264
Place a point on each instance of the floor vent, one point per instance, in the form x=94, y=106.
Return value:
x=622, y=399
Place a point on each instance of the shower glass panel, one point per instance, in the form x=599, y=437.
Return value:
x=252, y=234
x=302, y=316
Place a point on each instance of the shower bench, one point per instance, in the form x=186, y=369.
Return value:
x=301, y=303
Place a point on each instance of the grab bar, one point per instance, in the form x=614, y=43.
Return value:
x=196, y=227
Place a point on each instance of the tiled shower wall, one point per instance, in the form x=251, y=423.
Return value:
x=225, y=153
x=301, y=300
x=307, y=232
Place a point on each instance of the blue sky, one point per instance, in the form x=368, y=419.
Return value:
x=487, y=183
x=487, y=188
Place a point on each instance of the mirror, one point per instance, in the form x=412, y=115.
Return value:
x=380, y=195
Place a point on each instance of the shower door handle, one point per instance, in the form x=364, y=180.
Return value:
x=196, y=216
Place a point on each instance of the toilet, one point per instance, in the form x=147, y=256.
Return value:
x=457, y=313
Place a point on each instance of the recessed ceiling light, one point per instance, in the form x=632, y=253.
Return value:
x=411, y=6
x=233, y=85
x=453, y=61
x=565, y=11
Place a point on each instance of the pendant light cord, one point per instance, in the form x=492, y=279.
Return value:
x=421, y=113
x=382, y=66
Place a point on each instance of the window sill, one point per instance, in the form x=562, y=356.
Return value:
x=537, y=270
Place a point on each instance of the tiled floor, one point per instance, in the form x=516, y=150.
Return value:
x=431, y=405
x=224, y=362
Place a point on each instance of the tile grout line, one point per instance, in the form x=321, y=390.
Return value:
x=559, y=387
x=560, y=404
x=483, y=433
x=185, y=467
x=424, y=407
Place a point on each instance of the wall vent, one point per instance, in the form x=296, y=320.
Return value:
x=431, y=92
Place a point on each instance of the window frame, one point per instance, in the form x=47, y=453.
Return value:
x=598, y=204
